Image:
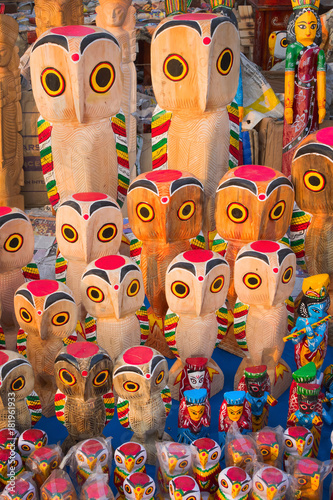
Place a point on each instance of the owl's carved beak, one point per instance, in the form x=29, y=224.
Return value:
x=117, y=303
x=235, y=490
x=139, y=493
x=129, y=464
x=300, y=446
x=172, y=464
x=92, y=463
x=271, y=492
x=275, y=451
x=77, y=80
x=203, y=457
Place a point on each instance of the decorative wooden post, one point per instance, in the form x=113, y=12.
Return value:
x=57, y=13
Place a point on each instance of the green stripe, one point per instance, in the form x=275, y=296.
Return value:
x=159, y=144
x=234, y=134
x=121, y=147
x=240, y=324
x=158, y=115
x=45, y=151
x=124, y=179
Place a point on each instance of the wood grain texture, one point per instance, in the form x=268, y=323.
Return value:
x=117, y=335
x=57, y=13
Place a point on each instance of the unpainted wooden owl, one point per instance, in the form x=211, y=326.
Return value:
x=88, y=227
x=24, y=489
x=129, y=457
x=92, y=455
x=46, y=311
x=270, y=483
x=184, y=488
x=112, y=291
x=58, y=487
x=139, y=486
x=298, y=441
x=8, y=438
x=234, y=484
x=43, y=461
x=31, y=440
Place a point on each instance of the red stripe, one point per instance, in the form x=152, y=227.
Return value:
x=43, y=136
x=300, y=254
x=233, y=151
x=233, y=118
x=54, y=199
x=122, y=190
x=239, y=314
x=136, y=252
x=299, y=227
x=117, y=129
x=58, y=397
x=167, y=328
x=61, y=269
x=123, y=162
x=161, y=129
x=160, y=161
x=48, y=167
x=240, y=335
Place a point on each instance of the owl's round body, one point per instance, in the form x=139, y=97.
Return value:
x=184, y=488
x=24, y=488
x=129, y=457
x=31, y=440
x=233, y=484
x=112, y=291
x=206, y=454
x=270, y=482
x=43, y=461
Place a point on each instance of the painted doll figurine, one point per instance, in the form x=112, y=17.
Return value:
x=174, y=460
x=270, y=446
x=193, y=416
x=31, y=440
x=196, y=285
x=304, y=375
x=206, y=454
x=84, y=402
x=298, y=442
x=140, y=379
x=139, y=485
x=43, y=461
x=234, y=408
x=270, y=482
x=77, y=93
x=183, y=488
x=195, y=375
x=58, y=486
x=24, y=488
x=165, y=210
x=305, y=80
x=17, y=376
x=129, y=457
x=58, y=13
x=47, y=315
x=308, y=477
x=8, y=463
x=234, y=484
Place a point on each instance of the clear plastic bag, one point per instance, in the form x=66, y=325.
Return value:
x=270, y=443
x=22, y=487
x=308, y=476
x=174, y=460
x=58, y=483
x=43, y=461
x=96, y=487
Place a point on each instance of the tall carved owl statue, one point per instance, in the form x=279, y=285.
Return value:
x=57, y=13
x=17, y=392
x=112, y=292
x=88, y=226
x=77, y=93
x=140, y=379
x=265, y=273
x=195, y=68
x=165, y=210
x=47, y=315
x=84, y=402
x=196, y=286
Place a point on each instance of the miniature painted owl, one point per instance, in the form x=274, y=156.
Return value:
x=88, y=227
x=8, y=438
x=24, y=489
x=112, y=291
x=206, y=454
x=90, y=455
x=269, y=446
x=47, y=313
x=129, y=457
x=241, y=452
x=10, y=461
x=234, y=484
x=17, y=376
x=175, y=460
x=184, y=488
x=269, y=483
x=277, y=46
x=58, y=487
x=31, y=440
x=309, y=475
x=84, y=401
x=139, y=486
x=96, y=488
x=43, y=461
x=298, y=441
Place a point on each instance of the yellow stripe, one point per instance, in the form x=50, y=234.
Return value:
x=122, y=154
x=53, y=191
x=234, y=142
x=159, y=152
x=118, y=121
x=233, y=111
x=43, y=126
x=164, y=118
x=46, y=159
x=122, y=184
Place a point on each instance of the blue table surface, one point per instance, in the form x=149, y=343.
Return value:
x=229, y=364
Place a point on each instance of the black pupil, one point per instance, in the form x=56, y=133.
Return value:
x=131, y=386
x=133, y=287
x=18, y=384
x=53, y=82
x=187, y=209
x=278, y=211
x=144, y=212
x=225, y=61
x=103, y=77
x=25, y=315
x=61, y=319
x=100, y=378
x=175, y=68
x=180, y=289
x=253, y=281
x=69, y=233
x=95, y=294
x=67, y=376
x=314, y=180
x=218, y=283
x=237, y=213
x=14, y=242
x=108, y=232
x=287, y=275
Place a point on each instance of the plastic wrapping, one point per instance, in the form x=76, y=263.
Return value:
x=234, y=482
x=59, y=484
x=270, y=482
x=184, y=487
x=206, y=454
x=8, y=438
x=31, y=440
x=308, y=476
x=270, y=442
x=96, y=488
x=174, y=460
x=298, y=441
x=129, y=457
x=43, y=461
x=23, y=487
x=10, y=466
x=331, y=490
x=240, y=450
x=139, y=485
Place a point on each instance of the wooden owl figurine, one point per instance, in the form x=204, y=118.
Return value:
x=270, y=447
x=298, y=441
x=47, y=314
x=184, y=488
x=88, y=226
x=270, y=482
x=170, y=215
x=17, y=392
x=233, y=484
x=140, y=379
x=43, y=461
x=31, y=440
x=308, y=477
x=84, y=402
x=57, y=13
x=139, y=485
x=11, y=466
x=265, y=274
x=195, y=69
x=92, y=456
x=129, y=457
x=24, y=488
x=58, y=487
x=241, y=452
x=112, y=292
x=76, y=94
x=196, y=285
x=174, y=460
x=206, y=454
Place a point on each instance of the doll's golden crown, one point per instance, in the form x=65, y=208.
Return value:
x=8, y=30
x=301, y=4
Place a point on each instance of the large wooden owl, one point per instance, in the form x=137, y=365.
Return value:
x=112, y=292
x=129, y=457
x=195, y=69
x=84, y=402
x=47, y=314
x=31, y=440
x=234, y=484
x=270, y=482
x=58, y=487
x=88, y=226
x=184, y=488
x=24, y=488
x=140, y=379
x=196, y=286
x=43, y=461
x=17, y=392
x=265, y=273
x=77, y=93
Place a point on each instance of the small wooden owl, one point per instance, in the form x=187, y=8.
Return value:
x=184, y=488
x=270, y=446
x=11, y=466
x=298, y=441
x=140, y=379
x=84, y=402
x=58, y=487
x=175, y=460
x=196, y=285
x=308, y=477
x=88, y=226
x=139, y=486
x=112, y=291
x=31, y=440
x=17, y=392
x=233, y=484
x=241, y=452
x=129, y=457
x=269, y=483
x=47, y=314
x=9, y=438
x=43, y=461
x=206, y=455
x=92, y=455
x=24, y=488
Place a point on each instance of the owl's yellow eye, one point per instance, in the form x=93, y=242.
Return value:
x=139, y=460
x=180, y=289
x=30, y=496
x=95, y=294
x=131, y=386
x=69, y=233
x=287, y=275
x=25, y=447
x=245, y=488
x=66, y=377
x=25, y=315
x=310, y=440
x=248, y=460
x=102, y=457
x=107, y=233
x=264, y=452
x=171, y=488
x=102, y=77
x=54, y=464
x=252, y=280
x=191, y=498
x=289, y=443
x=53, y=82
x=101, y=377
x=80, y=457
x=283, y=489
x=214, y=456
x=301, y=481
x=13, y=243
x=224, y=62
x=217, y=284
x=224, y=483
x=259, y=486
x=183, y=464
x=133, y=288
x=149, y=490
x=278, y=210
x=128, y=489
x=119, y=460
x=175, y=67
x=145, y=212
x=60, y=319
x=44, y=495
x=18, y=384
x=284, y=43
x=237, y=212
x=186, y=210
x=314, y=181
x=160, y=377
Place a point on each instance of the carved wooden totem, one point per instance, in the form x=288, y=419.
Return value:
x=57, y=13
x=47, y=314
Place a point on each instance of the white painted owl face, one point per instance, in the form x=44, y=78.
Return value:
x=92, y=454
x=175, y=458
x=8, y=438
x=298, y=441
x=234, y=483
x=16, y=239
x=30, y=440
x=9, y=460
x=130, y=457
x=184, y=487
x=206, y=453
x=278, y=44
x=139, y=486
x=270, y=483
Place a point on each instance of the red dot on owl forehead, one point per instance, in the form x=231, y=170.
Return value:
x=265, y=246
x=164, y=175
x=138, y=355
x=82, y=350
x=130, y=448
x=195, y=17
x=272, y=475
x=198, y=255
x=236, y=474
x=89, y=196
x=5, y=211
x=32, y=434
x=3, y=358
x=204, y=443
x=40, y=288
x=325, y=136
x=110, y=262
x=73, y=30
x=97, y=490
x=58, y=485
x=255, y=173
x=184, y=483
